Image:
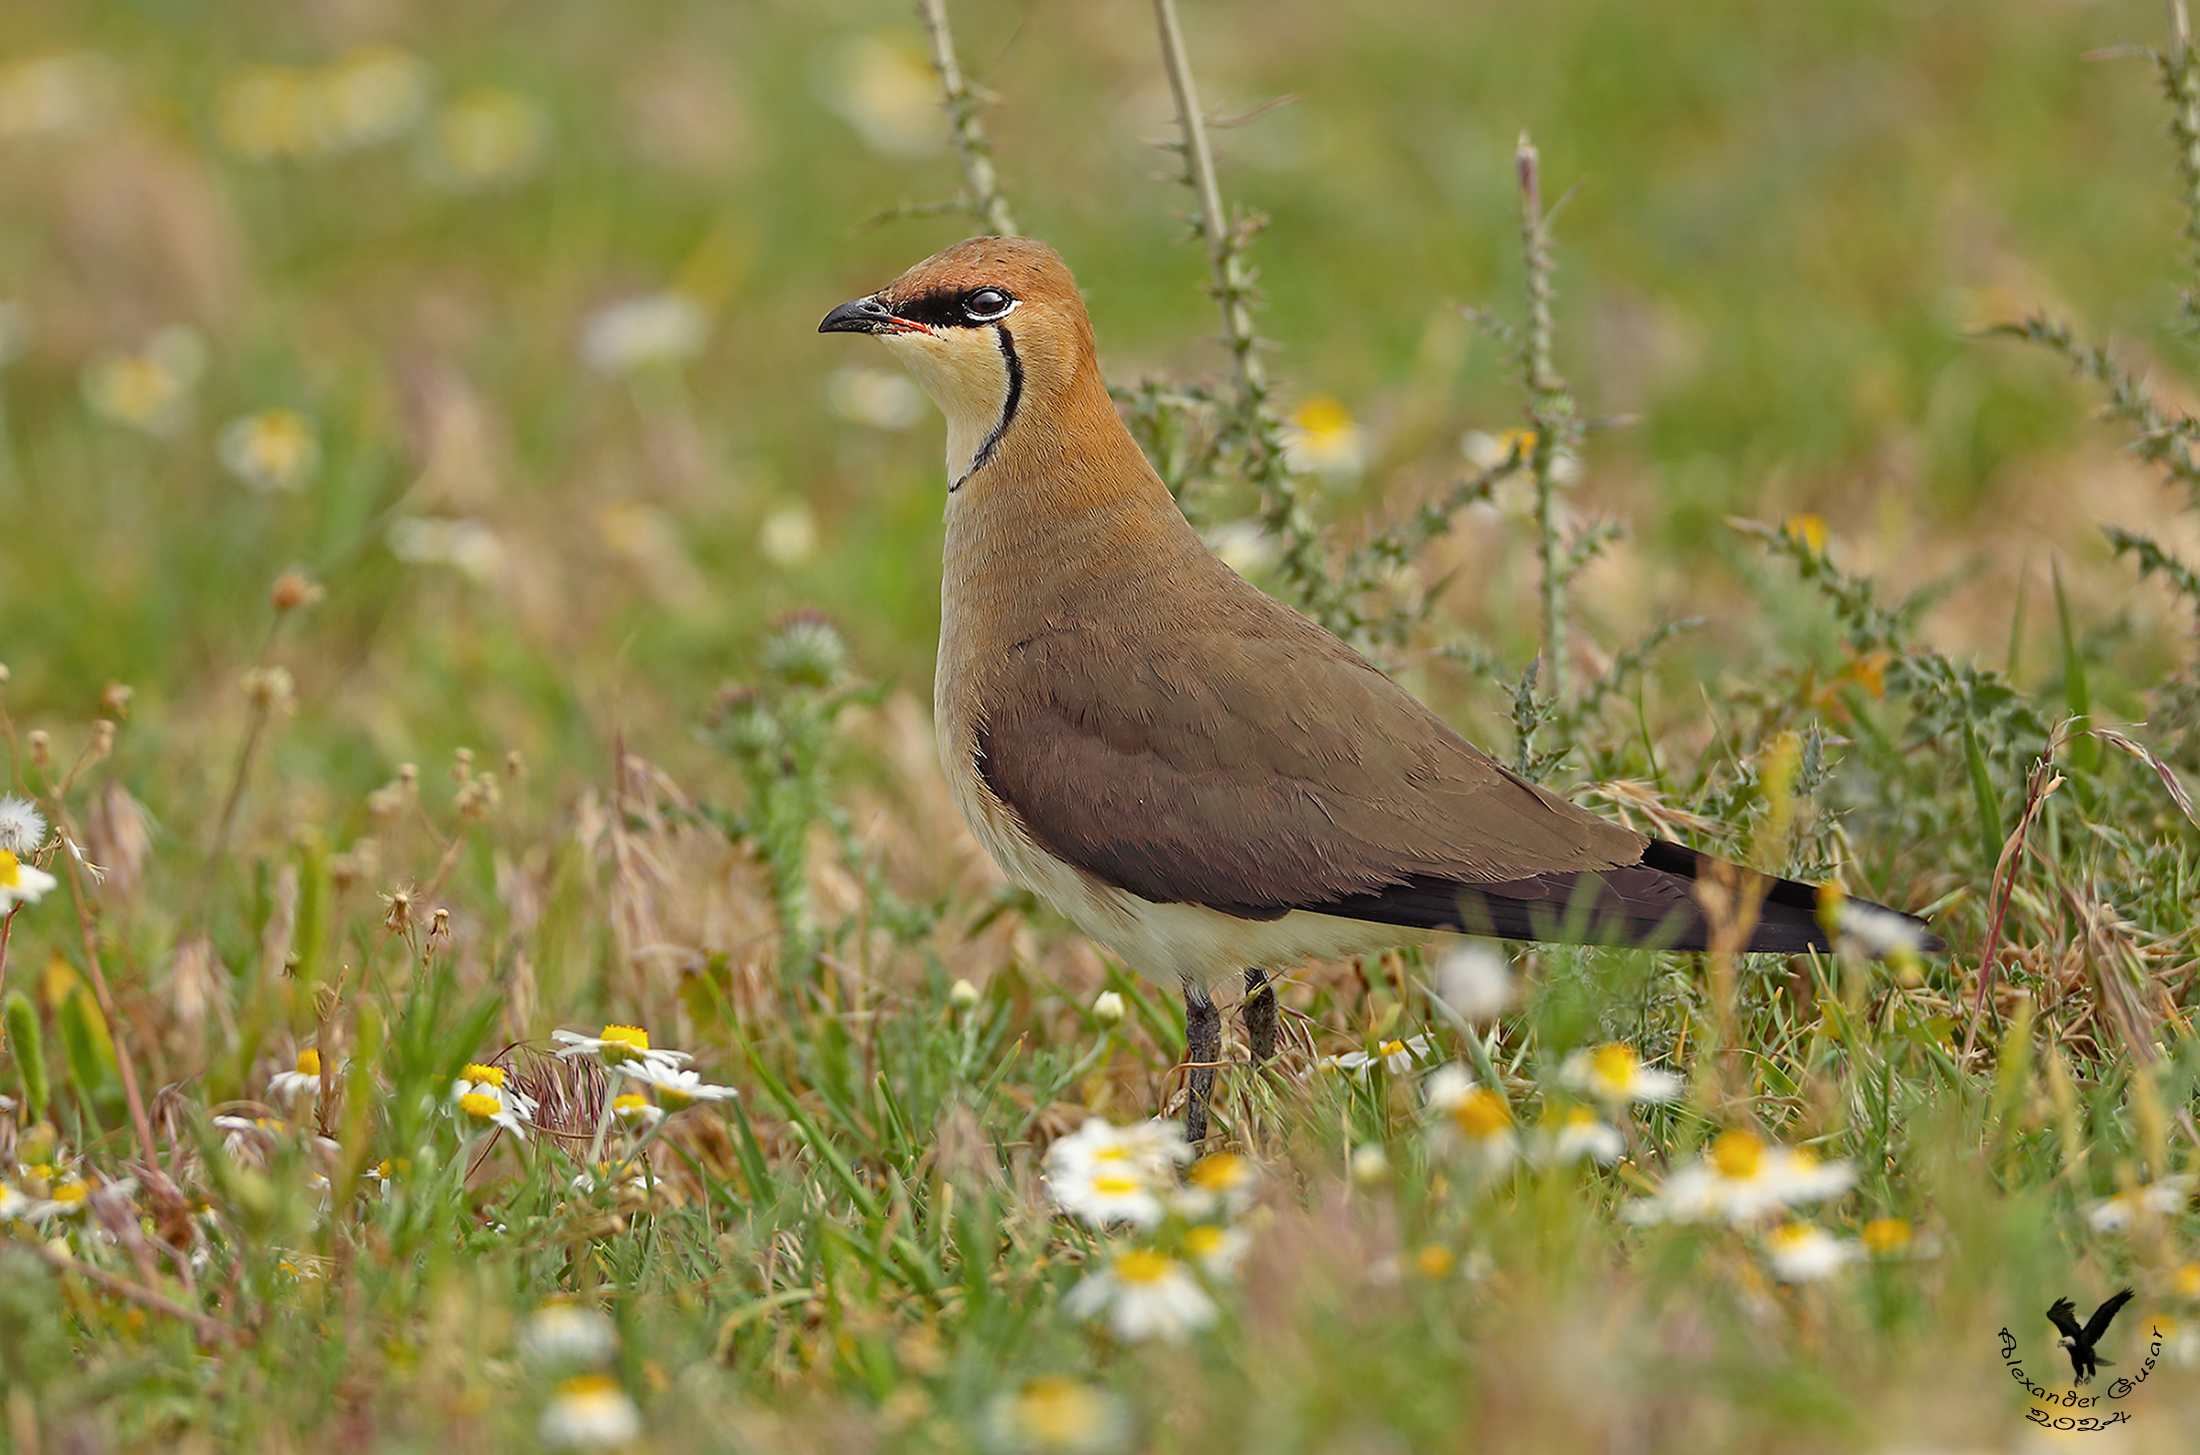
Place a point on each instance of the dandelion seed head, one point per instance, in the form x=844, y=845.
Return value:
x=22, y=826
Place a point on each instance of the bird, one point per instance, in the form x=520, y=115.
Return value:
x=1206, y=782
x=2063, y=1314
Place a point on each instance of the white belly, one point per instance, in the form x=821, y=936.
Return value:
x=1166, y=943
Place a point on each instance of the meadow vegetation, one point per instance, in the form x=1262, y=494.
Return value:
x=488, y=960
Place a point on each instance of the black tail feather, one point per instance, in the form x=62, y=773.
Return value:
x=1651, y=904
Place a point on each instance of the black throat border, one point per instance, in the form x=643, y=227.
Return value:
x=1007, y=342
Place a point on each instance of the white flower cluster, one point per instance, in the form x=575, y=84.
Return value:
x=1162, y=1286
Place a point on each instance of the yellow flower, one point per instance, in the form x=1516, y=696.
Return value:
x=1889, y=1235
x=1435, y=1261
x=1809, y=530
x=486, y=1075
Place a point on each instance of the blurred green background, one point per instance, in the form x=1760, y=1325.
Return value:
x=406, y=221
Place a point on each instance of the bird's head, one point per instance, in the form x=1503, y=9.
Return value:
x=992, y=329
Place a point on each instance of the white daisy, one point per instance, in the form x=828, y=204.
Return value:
x=2141, y=1204
x=482, y=1102
x=1577, y=1132
x=302, y=1080
x=618, y=1044
x=1396, y=1057
x=1221, y=1184
x=1469, y=1121
x=490, y=1080
x=590, y=1412
x=1054, y=1415
x=1154, y=1149
x=677, y=1088
x=1476, y=982
x=1218, y=1251
x=273, y=450
x=1741, y=1179
x=1807, y=1253
x=1321, y=437
x=1104, y=1192
x=566, y=1335
x=1145, y=1295
x=22, y=883
x=1615, y=1075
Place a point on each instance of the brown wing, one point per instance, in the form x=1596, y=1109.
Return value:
x=1257, y=773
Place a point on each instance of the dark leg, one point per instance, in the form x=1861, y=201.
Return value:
x=1202, y=1048
x=1259, y=1010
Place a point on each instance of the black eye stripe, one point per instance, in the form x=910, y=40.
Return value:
x=934, y=310
x=957, y=308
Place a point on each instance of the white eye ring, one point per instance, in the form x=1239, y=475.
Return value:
x=970, y=311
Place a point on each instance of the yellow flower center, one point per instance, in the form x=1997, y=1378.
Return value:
x=1202, y=1240
x=632, y=1101
x=1116, y=1184
x=1390, y=1048
x=1615, y=1066
x=589, y=1386
x=1737, y=1155
x=309, y=1062
x=2186, y=1280
x=474, y=1103
x=1218, y=1173
x=1482, y=1113
x=1434, y=1261
x=1884, y=1235
x=1321, y=415
x=384, y=1170
x=1792, y=1235
x=632, y=1037
x=483, y=1075
x=1054, y=1413
x=11, y=870
x=71, y=1192
x=1143, y=1265
x=1114, y=1153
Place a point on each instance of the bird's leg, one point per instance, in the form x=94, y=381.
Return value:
x=1259, y=1010
x=1202, y=1048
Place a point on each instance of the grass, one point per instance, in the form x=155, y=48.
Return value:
x=596, y=699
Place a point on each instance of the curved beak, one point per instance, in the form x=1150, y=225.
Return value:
x=864, y=315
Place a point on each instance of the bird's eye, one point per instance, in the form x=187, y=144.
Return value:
x=985, y=303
